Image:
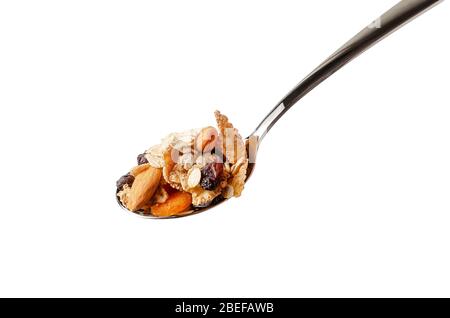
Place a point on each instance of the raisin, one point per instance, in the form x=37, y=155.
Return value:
x=214, y=201
x=211, y=174
x=141, y=159
x=217, y=199
x=126, y=179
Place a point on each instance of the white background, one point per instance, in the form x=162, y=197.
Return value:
x=350, y=196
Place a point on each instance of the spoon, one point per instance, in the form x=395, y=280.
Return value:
x=392, y=20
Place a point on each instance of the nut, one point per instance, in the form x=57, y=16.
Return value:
x=211, y=175
x=141, y=159
x=206, y=139
x=194, y=176
x=139, y=169
x=145, y=183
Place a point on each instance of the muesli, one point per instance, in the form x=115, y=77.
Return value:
x=187, y=170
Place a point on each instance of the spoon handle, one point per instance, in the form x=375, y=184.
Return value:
x=393, y=19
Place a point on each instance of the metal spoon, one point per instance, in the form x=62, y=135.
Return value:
x=392, y=20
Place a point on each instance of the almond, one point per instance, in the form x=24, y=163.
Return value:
x=138, y=169
x=194, y=176
x=146, y=182
x=176, y=203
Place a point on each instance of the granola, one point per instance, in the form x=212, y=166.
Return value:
x=187, y=170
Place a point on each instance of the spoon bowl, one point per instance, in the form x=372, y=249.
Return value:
x=251, y=143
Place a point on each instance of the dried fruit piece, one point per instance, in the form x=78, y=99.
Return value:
x=217, y=199
x=125, y=179
x=141, y=159
x=144, y=187
x=176, y=203
x=211, y=174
